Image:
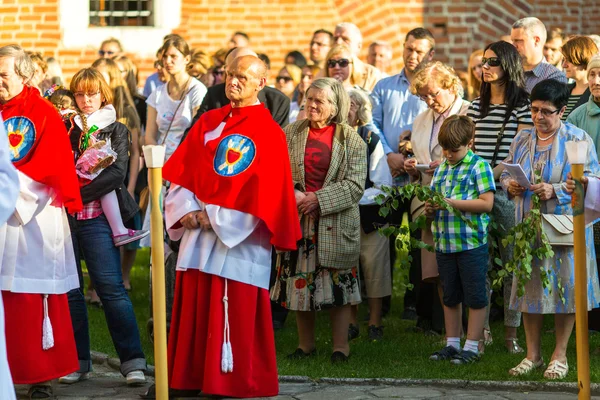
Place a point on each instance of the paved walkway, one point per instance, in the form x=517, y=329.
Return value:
x=105, y=383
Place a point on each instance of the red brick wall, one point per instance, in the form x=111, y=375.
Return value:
x=279, y=26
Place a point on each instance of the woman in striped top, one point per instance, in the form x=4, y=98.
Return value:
x=501, y=111
x=577, y=52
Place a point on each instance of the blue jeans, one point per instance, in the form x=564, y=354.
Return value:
x=93, y=238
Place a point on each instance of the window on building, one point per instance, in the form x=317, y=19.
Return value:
x=121, y=13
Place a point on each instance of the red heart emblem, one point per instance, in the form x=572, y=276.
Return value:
x=15, y=139
x=233, y=156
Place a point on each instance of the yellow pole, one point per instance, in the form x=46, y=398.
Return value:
x=581, y=315
x=154, y=157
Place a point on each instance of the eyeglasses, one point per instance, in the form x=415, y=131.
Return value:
x=81, y=95
x=286, y=79
x=342, y=62
x=491, y=61
x=430, y=96
x=545, y=112
x=108, y=53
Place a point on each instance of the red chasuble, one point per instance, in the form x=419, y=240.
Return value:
x=246, y=168
x=39, y=145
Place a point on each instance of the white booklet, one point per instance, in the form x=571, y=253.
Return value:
x=517, y=173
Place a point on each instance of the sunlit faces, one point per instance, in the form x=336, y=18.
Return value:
x=352, y=113
x=306, y=80
x=318, y=108
x=340, y=66
x=415, y=52
x=11, y=84
x=319, y=47
x=88, y=102
x=491, y=74
x=436, y=98
x=237, y=41
x=546, y=116
x=241, y=82
x=109, y=49
x=284, y=82
x=174, y=61
x=552, y=51
x=350, y=39
x=594, y=82
x=572, y=70
x=454, y=156
x=476, y=67
x=524, y=42
x=380, y=57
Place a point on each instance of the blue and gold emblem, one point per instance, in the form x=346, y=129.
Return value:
x=234, y=155
x=21, y=136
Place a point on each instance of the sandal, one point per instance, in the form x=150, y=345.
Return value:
x=512, y=345
x=40, y=392
x=526, y=366
x=556, y=370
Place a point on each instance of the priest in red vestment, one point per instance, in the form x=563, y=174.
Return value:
x=231, y=199
x=37, y=263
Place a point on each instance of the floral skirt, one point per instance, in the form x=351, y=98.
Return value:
x=304, y=285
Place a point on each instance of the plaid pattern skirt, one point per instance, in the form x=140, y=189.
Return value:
x=304, y=285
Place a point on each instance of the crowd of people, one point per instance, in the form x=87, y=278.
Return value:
x=328, y=135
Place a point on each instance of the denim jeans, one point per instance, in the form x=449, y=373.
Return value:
x=93, y=238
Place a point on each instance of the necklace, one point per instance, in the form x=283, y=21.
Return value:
x=546, y=138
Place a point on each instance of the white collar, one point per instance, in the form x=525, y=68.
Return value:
x=101, y=118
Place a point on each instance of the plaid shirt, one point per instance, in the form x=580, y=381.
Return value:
x=90, y=210
x=467, y=180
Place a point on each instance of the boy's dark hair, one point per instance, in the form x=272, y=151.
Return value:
x=265, y=58
x=552, y=91
x=456, y=131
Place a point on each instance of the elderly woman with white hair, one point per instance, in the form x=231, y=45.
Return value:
x=374, y=248
x=328, y=161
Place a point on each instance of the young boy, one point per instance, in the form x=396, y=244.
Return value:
x=467, y=183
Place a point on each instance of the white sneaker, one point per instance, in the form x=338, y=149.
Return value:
x=135, y=378
x=73, y=377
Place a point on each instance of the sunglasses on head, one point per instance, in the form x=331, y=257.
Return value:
x=342, y=62
x=108, y=53
x=491, y=61
x=286, y=79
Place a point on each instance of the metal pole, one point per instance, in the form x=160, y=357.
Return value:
x=154, y=157
x=581, y=314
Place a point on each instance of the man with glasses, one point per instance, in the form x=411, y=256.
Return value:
x=320, y=45
x=394, y=110
x=529, y=36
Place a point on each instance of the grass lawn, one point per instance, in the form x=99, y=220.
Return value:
x=401, y=354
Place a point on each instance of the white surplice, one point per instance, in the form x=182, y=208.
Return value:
x=237, y=247
x=9, y=190
x=36, y=250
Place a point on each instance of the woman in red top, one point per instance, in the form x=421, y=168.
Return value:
x=329, y=166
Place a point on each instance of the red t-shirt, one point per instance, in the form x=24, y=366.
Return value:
x=317, y=157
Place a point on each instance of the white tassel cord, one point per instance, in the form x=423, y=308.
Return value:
x=47, y=333
x=226, y=352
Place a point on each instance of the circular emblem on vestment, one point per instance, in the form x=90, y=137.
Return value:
x=234, y=155
x=20, y=132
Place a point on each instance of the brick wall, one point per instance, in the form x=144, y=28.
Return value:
x=279, y=26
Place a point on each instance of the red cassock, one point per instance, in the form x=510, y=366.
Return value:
x=246, y=169
x=40, y=149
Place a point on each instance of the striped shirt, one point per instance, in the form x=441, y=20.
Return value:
x=467, y=180
x=544, y=70
x=573, y=100
x=488, y=128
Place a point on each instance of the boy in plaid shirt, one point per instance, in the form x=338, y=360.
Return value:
x=467, y=183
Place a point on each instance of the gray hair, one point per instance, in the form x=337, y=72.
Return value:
x=337, y=97
x=382, y=43
x=23, y=65
x=349, y=26
x=364, y=114
x=532, y=25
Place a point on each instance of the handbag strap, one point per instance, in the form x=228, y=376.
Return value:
x=498, y=141
x=183, y=94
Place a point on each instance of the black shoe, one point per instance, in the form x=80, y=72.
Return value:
x=338, y=357
x=353, y=332
x=173, y=393
x=447, y=353
x=375, y=333
x=409, y=314
x=465, y=357
x=299, y=354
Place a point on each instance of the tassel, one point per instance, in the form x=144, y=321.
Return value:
x=47, y=333
x=226, y=352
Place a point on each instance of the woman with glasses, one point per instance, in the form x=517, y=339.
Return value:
x=577, y=52
x=287, y=79
x=541, y=153
x=501, y=110
x=339, y=65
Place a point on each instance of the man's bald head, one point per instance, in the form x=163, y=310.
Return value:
x=246, y=76
x=252, y=64
x=239, y=52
